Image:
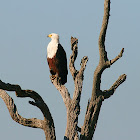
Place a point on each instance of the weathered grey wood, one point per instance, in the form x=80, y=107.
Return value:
x=98, y=96
x=35, y=123
x=73, y=105
x=47, y=124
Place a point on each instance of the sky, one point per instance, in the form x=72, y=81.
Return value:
x=24, y=26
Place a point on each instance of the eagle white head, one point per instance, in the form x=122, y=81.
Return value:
x=54, y=36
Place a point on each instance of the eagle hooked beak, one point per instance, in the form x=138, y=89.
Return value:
x=49, y=35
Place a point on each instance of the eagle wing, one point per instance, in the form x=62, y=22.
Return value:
x=61, y=63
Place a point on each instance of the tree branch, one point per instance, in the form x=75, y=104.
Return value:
x=98, y=96
x=108, y=93
x=74, y=48
x=103, y=62
x=47, y=124
x=72, y=105
x=78, y=76
x=83, y=65
x=117, y=57
x=79, y=80
x=35, y=123
x=101, y=42
x=63, y=91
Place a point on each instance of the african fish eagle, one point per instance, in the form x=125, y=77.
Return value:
x=57, y=60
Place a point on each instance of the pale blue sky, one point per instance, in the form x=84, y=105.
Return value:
x=24, y=25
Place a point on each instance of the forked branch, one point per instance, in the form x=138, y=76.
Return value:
x=35, y=123
x=98, y=96
x=47, y=124
x=73, y=105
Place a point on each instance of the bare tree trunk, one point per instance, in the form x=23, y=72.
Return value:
x=72, y=104
x=98, y=96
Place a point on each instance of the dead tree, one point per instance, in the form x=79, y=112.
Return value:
x=72, y=103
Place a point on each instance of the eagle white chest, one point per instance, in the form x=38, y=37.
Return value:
x=52, y=49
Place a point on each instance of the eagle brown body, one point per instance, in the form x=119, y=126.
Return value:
x=57, y=59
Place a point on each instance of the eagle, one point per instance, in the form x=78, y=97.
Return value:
x=57, y=59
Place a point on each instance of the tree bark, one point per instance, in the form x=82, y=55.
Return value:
x=98, y=96
x=73, y=104
x=47, y=124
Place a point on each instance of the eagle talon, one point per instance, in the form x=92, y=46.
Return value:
x=52, y=77
x=58, y=79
